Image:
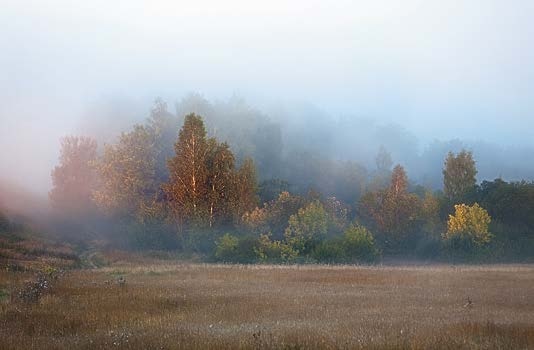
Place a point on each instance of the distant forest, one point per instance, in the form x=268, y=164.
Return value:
x=227, y=183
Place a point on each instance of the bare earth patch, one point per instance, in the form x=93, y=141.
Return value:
x=199, y=306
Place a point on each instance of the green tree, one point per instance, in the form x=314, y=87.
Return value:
x=459, y=175
x=307, y=227
x=469, y=224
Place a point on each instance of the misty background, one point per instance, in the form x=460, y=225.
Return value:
x=335, y=80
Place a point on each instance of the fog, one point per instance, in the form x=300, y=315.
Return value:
x=340, y=79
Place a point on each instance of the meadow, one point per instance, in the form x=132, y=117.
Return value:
x=148, y=304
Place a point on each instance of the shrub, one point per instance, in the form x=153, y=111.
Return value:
x=356, y=245
x=274, y=251
x=307, y=228
x=359, y=244
x=329, y=251
x=468, y=227
x=226, y=247
x=230, y=248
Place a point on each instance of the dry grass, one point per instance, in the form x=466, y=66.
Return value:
x=195, y=306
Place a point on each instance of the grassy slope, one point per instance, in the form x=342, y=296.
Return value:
x=217, y=306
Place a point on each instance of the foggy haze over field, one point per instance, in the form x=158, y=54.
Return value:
x=340, y=77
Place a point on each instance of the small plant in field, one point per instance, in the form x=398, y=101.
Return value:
x=4, y=295
x=33, y=290
x=121, y=281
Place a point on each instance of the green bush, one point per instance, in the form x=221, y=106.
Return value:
x=307, y=228
x=226, y=247
x=230, y=248
x=356, y=245
x=329, y=251
x=268, y=250
x=359, y=244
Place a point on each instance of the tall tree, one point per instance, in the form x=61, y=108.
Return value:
x=164, y=126
x=74, y=178
x=127, y=170
x=220, y=165
x=459, y=175
x=382, y=175
x=187, y=189
x=246, y=188
x=393, y=210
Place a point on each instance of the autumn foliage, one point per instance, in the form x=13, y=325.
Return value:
x=170, y=184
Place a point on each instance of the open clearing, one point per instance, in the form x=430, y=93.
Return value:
x=173, y=305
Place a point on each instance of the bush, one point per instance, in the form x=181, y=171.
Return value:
x=356, y=245
x=359, y=244
x=273, y=251
x=226, y=247
x=307, y=228
x=468, y=227
x=330, y=251
x=230, y=248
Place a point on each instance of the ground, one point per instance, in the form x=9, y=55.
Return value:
x=163, y=305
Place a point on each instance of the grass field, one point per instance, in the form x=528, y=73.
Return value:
x=196, y=306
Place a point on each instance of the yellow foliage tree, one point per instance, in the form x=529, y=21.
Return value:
x=470, y=223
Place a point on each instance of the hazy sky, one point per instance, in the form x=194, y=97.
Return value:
x=442, y=69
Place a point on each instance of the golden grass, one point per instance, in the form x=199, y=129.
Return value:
x=201, y=306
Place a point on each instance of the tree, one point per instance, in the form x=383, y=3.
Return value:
x=269, y=190
x=245, y=188
x=204, y=188
x=307, y=227
x=469, y=224
x=338, y=215
x=383, y=160
x=221, y=191
x=127, y=170
x=164, y=127
x=382, y=175
x=459, y=175
x=394, y=211
x=74, y=179
x=187, y=189
x=430, y=210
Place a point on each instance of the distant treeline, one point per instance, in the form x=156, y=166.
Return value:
x=170, y=183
